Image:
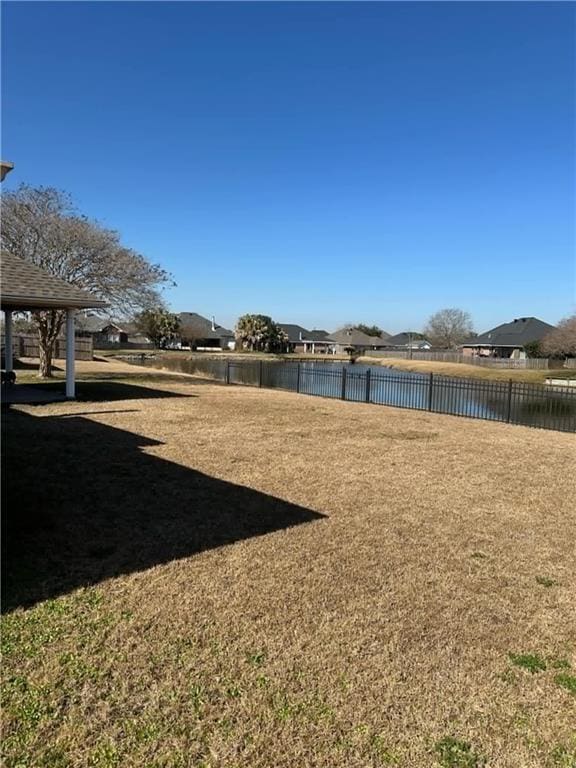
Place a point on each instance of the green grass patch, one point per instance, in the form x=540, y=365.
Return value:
x=544, y=581
x=453, y=753
x=532, y=662
x=382, y=751
x=257, y=658
x=563, y=756
x=566, y=681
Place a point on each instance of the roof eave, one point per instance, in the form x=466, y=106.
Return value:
x=24, y=303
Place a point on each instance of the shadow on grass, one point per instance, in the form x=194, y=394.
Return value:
x=106, y=389
x=83, y=502
x=23, y=365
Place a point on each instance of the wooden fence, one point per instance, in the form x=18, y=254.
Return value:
x=539, y=363
x=26, y=345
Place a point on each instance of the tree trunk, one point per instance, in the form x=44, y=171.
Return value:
x=45, y=352
x=49, y=325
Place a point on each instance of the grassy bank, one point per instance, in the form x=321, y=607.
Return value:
x=234, y=578
x=470, y=371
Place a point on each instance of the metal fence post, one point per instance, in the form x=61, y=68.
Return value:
x=343, y=397
x=368, y=372
x=260, y=374
x=430, y=388
x=227, y=371
x=298, y=378
x=509, y=405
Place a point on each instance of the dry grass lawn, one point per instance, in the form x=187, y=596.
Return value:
x=225, y=577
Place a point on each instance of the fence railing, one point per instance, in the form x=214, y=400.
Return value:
x=533, y=405
x=26, y=345
x=538, y=363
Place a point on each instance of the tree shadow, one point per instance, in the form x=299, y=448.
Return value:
x=83, y=503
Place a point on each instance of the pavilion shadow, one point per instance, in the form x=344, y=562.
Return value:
x=83, y=503
x=106, y=390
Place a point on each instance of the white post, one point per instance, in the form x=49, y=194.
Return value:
x=8, y=353
x=70, y=387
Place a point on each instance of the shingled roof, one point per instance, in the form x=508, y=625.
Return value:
x=295, y=333
x=356, y=338
x=92, y=323
x=406, y=337
x=519, y=332
x=25, y=286
x=193, y=324
x=317, y=335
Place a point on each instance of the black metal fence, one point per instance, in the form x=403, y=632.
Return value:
x=534, y=405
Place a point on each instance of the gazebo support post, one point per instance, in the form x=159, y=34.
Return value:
x=8, y=341
x=70, y=384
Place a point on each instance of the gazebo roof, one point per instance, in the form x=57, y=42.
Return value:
x=27, y=287
x=5, y=167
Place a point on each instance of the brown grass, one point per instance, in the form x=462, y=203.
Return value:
x=377, y=626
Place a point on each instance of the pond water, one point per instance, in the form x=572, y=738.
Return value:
x=519, y=403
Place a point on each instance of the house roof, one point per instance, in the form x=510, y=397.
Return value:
x=92, y=323
x=131, y=328
x=405, y=338
x=27, y=286
x=297, y=333
x=294, y=332
x=519, y=332
x=201, y=328
x=317, y=335
x=354, y=337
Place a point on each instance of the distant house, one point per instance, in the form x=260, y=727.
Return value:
x=302, y=340
x=105, y=332
x=509, y=339
x=296, y=335
x=408, y=340
x=319, y=341
x=100, y=329
x=361, y=342
x=135, y=336
x=197, y=332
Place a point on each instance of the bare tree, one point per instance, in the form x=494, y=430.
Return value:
x=449, y=327
x=561, y=342
x=43, y=226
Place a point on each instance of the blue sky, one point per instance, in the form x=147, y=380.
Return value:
x=318, y=162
